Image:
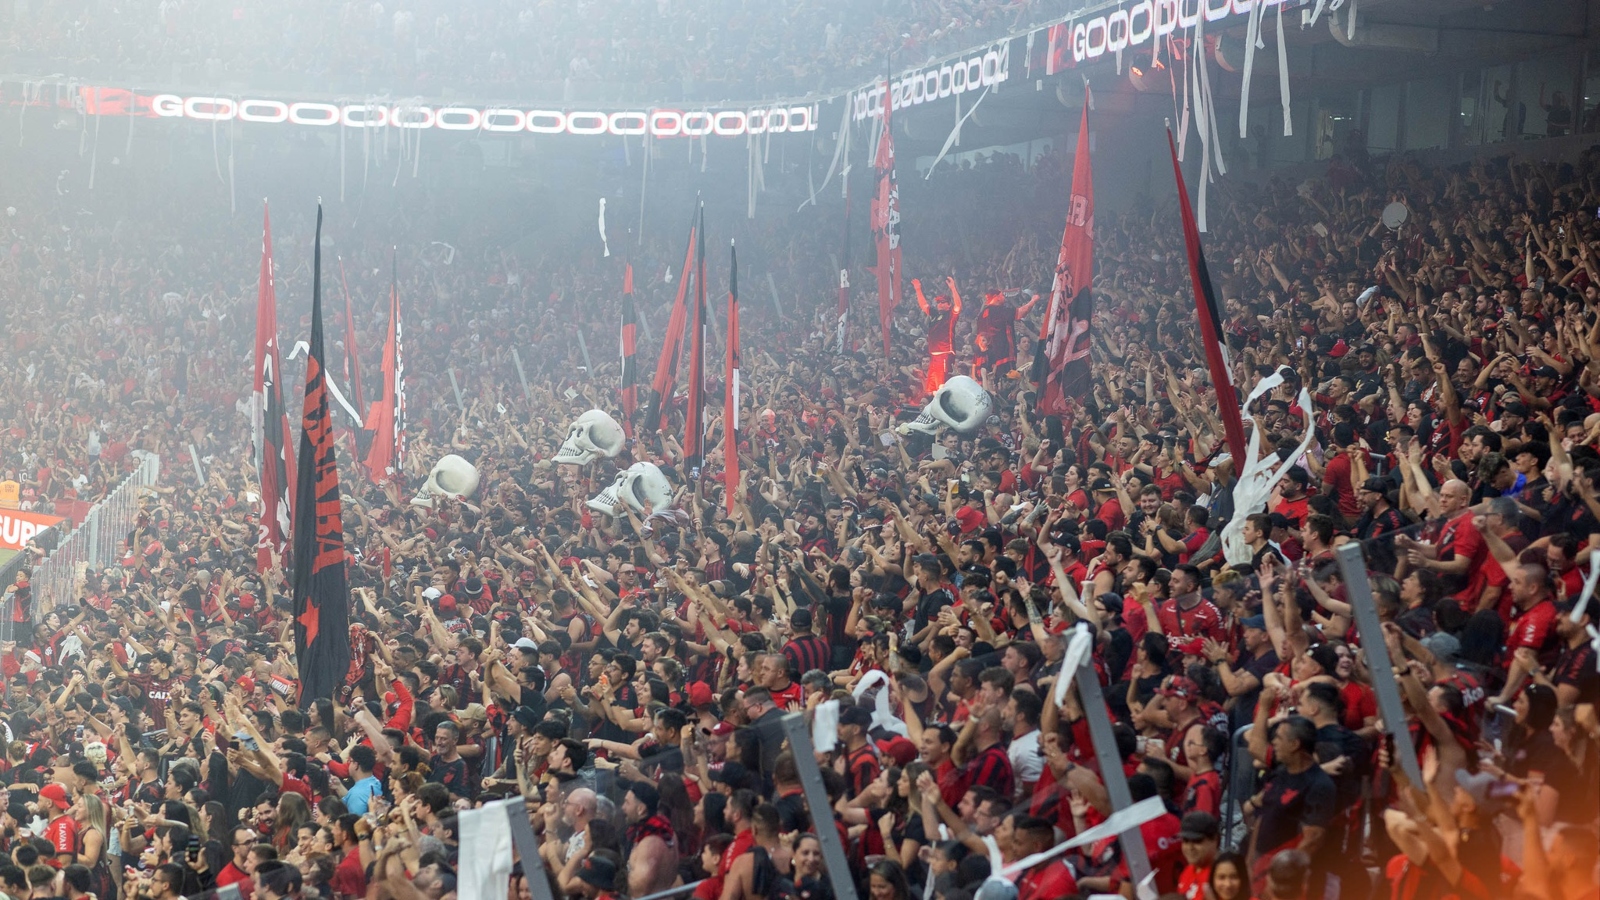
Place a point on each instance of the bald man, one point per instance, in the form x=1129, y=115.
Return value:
x=577, y=810
x=1534, y=618
x=1456, y=550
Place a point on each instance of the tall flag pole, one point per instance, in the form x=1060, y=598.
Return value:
x=386, y=422
x=886, y=225
x=730, y=403
x=693, y=423
x=630, y=346
x=665, y=380
x=1061, y=358
x=269, y=418
x=321, y=593
x=352, y=358
x=1210, y=313
x=844, y=265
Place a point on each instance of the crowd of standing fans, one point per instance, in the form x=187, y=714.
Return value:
x=627, y=673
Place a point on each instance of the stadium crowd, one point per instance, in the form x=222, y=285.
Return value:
x=428, y=46
x=627, y=674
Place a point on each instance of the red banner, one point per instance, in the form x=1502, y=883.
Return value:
x=17, y=528
x=1061, y=362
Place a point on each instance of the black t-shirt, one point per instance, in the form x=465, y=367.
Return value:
x=1291, y=801
x=928, y=607
x=793, y=816
x=1245, y=710
x=1334, y=741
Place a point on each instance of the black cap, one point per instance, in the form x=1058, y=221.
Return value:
x=526, y=715
x=801, y=618
x=1376, y=485
x=1101, y=484
x=1198, y=826
x=599, y=872
x=1546, y=372
x=855, y=715
x=1514, y=408
x=474, y=586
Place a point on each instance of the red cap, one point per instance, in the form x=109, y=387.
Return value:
x=1180, y=687
x=448, y=601
x=54, y=793
x=722, y=728
x=899, y=749
x=248, y=683
x=246, y=602
x=699, y=694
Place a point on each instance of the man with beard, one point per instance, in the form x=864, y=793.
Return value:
x=652, y=844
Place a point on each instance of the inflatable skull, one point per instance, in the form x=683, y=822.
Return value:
x=451, y=477
x=636, y=486
x=962, y=404
x=593, y=435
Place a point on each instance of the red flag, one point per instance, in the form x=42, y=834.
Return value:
x=666, y=376
x=1210, y=311
x=730, y=403
x=352, y=359
x=886, y=228
x=321, y=592
x=274, y=460
x=1061, y=358
x=386, y=421
x=693, y=423
x=630, y=345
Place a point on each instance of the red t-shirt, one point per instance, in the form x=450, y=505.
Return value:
x=62, y=833
x=1336, y=479
x=1192, y=882
x=1461, y=538
x=1110, y=512
x=350, y=879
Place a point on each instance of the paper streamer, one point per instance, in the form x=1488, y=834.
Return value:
x=1079, y=647
x=1257, y=475
x=333, y=388
x=603, y=242
x=1252, y=42
x=882, y=716
x=1146, y=810
x=1588, y=587
x=1283, y=78
x=840, y=150
x=955, y=134
x=825, y=726
x=484, y=872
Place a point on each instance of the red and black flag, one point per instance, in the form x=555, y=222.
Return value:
x=886, y=227
x=269, y=418
x=321, y=593
x=694, y=450
x=1210, y=312
x=1061, y=358
x=666, y=378
x=386, y=420
x=352, y=359
x=630, y=345
x=730, y=403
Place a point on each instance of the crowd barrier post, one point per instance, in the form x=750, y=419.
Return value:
x=805, y=758
x=1358, y=591
x=1241, y=778
x=1105, y=748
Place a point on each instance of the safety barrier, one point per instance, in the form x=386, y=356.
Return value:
x=100, y=541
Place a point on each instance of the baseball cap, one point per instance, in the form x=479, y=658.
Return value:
x=432, y=593
x=855, y=715
x=473, y=712
x=723, y=729
x=55, y=793
x=1259, y=623
x=526, y=716
x=1443, y=645
x=899, y=749
x=526, y=643
x=1376, y=485
x=1220, y=459
x=1179, y=687
x=1101, y=484
x=599, y=872
x=1546, y=372
x=801, y=618
x=448, y=601
x=1198, y=826
x=1514, y=408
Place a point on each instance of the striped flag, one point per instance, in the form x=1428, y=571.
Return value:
x=270, y=420
x=630, y=346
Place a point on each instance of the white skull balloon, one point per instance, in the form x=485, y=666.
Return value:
x=593, y=435
x=961, y=404
x=641, y=484
x=451, y=477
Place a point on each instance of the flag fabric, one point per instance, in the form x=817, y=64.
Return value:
x=886, y=228
x=321, y=593
x=1210, y=313
x=386, y=420
x=352, y=358
x=730, y=403
x=694, y=418
x=1061, y=358
x=269, y=418
x=844, y=266
x=630, y=346
x=666, y=376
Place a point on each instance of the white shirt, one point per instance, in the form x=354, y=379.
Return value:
x=1027, y=765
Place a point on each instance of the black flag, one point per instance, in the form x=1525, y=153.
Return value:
x=321, y=594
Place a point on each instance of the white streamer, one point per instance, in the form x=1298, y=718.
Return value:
x=825, y=726
x=1252, y=41
x=1283, y=78
x=1123, y=820
x=882, y=716
x=955, y=134
x=603, y=242
x=1079, y=646
x=1258, y=475
x=840, y=148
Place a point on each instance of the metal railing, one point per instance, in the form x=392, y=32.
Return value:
x=98, y=542
x=1241, y=785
